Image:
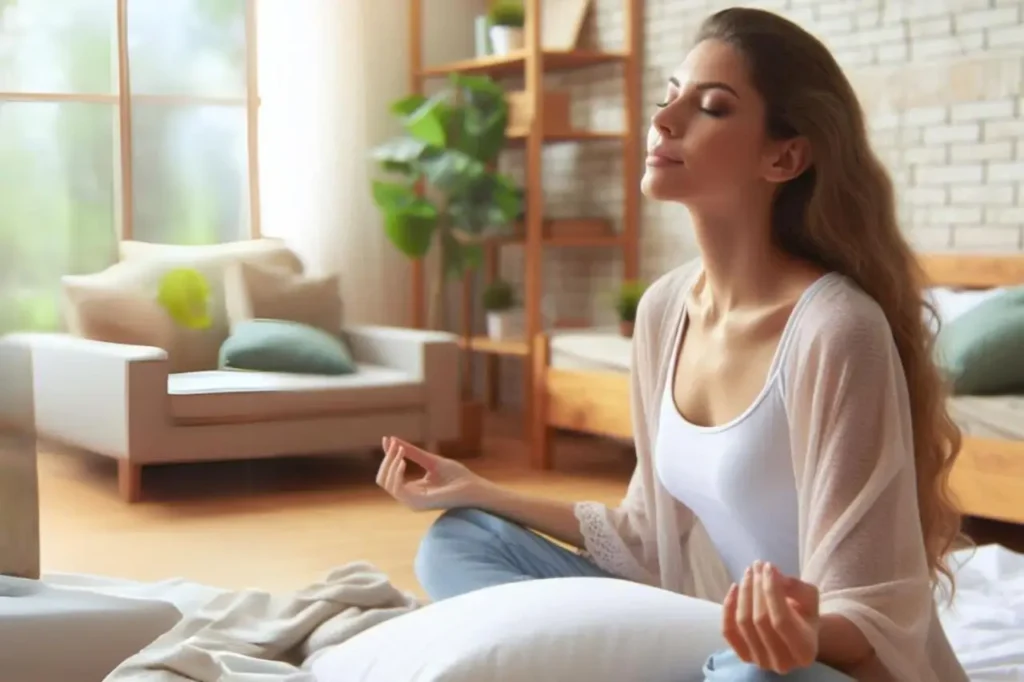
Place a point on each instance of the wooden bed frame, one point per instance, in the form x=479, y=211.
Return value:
x=988, y=480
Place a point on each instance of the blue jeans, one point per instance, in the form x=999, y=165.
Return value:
x=468, y=549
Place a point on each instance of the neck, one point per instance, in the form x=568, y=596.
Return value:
x=741, y=264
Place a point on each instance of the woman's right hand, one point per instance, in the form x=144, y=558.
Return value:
x=446, y=484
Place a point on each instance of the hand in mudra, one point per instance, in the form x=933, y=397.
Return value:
x=445, y=484
x=771, y=620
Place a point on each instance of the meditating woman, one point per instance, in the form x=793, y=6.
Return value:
x=792, y=439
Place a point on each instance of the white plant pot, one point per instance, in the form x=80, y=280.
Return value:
x=506, y=39
x=507, y=324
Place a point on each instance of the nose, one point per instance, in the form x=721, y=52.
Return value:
x=667, y=125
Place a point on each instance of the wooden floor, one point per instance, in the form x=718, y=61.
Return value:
x=276, y=525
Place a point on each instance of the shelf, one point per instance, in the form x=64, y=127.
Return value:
x=515, y=63
x=567, y=232
x=567, y=241
x=519, y=135
x=484, y=344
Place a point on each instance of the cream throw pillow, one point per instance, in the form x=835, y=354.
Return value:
x=119, y=305
x=135, y=250
x=253, y=291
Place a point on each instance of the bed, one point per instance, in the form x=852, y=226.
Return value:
x=582, y=385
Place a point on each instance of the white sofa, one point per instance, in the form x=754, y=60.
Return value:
x=126, y=401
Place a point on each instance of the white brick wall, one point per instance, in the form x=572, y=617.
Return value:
x=942, y=82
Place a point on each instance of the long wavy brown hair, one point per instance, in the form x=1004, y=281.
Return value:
x=841, y=215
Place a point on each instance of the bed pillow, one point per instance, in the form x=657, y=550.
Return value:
x=592, y=629
x=982, y=350
x=951, y=303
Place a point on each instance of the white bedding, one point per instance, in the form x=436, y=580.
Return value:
x=985, y=625
x=592, y=349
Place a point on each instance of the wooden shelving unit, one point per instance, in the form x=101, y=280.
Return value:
x=537, y=233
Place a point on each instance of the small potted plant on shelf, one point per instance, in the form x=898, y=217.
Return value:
x=504, y=316
x=626, y=305
x=507, y=18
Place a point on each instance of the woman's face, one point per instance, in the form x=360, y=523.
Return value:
x=707, y=143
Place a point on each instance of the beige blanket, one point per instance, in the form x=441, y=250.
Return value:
x=248, y=636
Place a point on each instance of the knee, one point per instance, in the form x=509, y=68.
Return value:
x=444, y=543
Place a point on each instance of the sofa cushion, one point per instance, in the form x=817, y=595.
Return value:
x=253, y=291
x=228, y=396
x=244, y=249
x=283, y=346
x=124, y=298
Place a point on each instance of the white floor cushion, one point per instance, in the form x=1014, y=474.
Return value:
x=593, y=629
x=53, y=634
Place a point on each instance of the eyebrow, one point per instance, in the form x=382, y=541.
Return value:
x=707, y=85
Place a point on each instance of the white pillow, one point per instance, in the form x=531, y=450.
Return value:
x=588, y=629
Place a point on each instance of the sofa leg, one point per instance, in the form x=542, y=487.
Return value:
x=129, y=480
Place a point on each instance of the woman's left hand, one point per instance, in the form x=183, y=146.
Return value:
x=771, y=620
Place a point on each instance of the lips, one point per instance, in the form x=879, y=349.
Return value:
x=660, y=157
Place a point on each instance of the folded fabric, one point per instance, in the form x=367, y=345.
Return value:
x=253, y=635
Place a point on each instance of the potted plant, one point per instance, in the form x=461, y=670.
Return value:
x=504, y=317
x=439, y=186
x=507, y=18
x=626, y=304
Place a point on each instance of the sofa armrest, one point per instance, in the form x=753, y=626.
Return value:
x=431, y=357
x=96, y=395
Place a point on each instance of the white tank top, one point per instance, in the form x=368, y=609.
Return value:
x=737, y=477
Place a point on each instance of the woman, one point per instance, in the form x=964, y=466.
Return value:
x=785, y=404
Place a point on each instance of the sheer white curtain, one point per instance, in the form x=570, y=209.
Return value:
x=327, y=71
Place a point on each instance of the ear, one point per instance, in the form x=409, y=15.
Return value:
x=787, y=159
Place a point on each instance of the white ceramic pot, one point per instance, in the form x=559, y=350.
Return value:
x=506, y=324
x=506, y=39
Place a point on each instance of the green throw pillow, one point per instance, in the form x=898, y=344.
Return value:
x=282, y=346
x=982, y=351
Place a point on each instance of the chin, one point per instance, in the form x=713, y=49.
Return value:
x=662, y=184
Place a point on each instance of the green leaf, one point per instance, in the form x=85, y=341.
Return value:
x=411, y=228
x=458, y=256
x=428, y=122
x=399, y=150
x=452, y=171
x=507, y=198
x=478, y=90
x=391, y=196
x=405, y=106
x=472, y=256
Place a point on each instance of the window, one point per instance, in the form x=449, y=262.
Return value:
x=119, y=119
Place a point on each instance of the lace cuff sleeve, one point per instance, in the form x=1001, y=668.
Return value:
x=606, y=546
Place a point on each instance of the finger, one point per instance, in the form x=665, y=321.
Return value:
x=779, y=655
x=390, y=452
x=787, y=623
x=398, y=488
x=745, y=620
x=804, y=594
x=396, y=473
x=427, y=460
x=730, y=628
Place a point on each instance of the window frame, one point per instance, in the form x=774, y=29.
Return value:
x=124, y=98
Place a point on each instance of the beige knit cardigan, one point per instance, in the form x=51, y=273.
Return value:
x=860, y=535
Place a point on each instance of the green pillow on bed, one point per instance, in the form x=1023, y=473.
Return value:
x=982, y=351
x=283, y=346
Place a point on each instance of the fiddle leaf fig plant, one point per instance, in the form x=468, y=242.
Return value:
x=437, y=183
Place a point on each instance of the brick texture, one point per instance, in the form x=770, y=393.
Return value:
x=941, y=81
x=942, y=84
